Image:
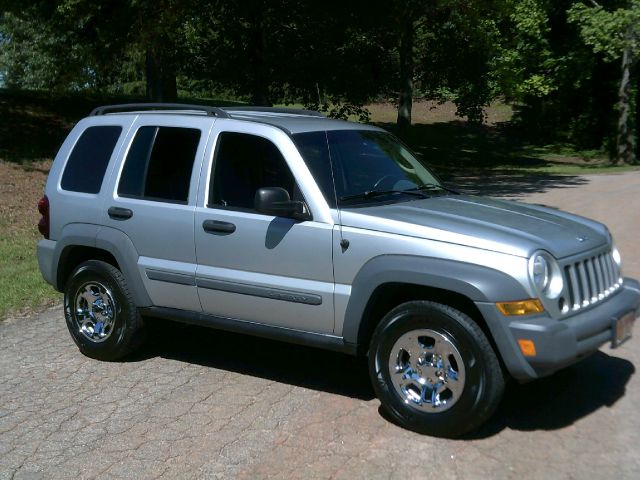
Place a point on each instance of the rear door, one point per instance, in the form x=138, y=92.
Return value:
x=153, y=203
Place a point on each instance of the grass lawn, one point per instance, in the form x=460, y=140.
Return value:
x=22, y=288
x=33, y=125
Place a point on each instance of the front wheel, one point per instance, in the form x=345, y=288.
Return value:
x=434, y=369
x=101, y=314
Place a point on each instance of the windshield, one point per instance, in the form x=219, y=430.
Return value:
x=369, y=166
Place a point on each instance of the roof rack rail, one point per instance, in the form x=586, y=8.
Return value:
x=292, y=111
x=212, y=111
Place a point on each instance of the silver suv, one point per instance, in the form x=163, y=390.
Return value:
x=285, y=224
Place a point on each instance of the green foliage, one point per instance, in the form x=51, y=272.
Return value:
x=458, y=47
x=342, y=111
x=527, y=65
x=551, y=58
x=609, y=32
x=562, y=89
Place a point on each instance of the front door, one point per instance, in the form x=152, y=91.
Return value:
x=254, y=267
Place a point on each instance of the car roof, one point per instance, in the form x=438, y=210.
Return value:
x=288, y=119
x=297, y=123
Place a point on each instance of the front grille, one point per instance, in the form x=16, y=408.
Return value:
x=591, y=279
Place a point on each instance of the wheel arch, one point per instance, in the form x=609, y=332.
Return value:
x=73, y=255
x=387, y=281
x=84, y=242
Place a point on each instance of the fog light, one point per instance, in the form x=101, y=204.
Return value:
x=527, y=347
x=521, y=307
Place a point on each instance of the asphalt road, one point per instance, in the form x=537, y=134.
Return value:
x=197, y=403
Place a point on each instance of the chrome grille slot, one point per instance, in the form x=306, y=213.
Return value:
x=590, y=280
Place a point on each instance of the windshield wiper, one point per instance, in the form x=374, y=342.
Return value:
x=432, y=186
x=379, y=193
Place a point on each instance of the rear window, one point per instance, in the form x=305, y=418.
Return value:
x=89, y=158
x=159, y=164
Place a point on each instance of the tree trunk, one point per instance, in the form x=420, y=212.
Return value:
x=405, y=101
x=257, y=52
x=624, y=143
x=161, y=77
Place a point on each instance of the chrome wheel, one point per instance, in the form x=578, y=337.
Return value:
x=95, y=311
x=427, y=370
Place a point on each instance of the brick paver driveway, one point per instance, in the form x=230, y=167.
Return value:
x=203, y=404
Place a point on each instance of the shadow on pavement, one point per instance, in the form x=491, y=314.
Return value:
x=550, y=403
x=291, y=364
x=562, y=399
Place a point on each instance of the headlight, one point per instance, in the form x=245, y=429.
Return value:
x=615, y=253
x=540, y=272
x=545, y=274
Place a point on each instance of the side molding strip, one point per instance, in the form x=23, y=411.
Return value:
x=264, y=292
x=170, y=277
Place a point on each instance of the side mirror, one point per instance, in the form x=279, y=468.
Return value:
x=276, y=201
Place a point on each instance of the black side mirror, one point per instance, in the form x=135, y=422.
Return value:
x=276, y=201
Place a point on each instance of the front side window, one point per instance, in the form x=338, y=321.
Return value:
x=159, y=164
x=243, y=164
x=88, y=161
x=365, y=163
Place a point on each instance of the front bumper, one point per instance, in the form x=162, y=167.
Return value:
x=558, y=342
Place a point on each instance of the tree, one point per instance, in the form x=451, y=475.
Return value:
x=561, y=90
x=81, y=44
x=444, y=50
x=615, y=34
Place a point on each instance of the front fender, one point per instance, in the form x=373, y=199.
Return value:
x=477, y=283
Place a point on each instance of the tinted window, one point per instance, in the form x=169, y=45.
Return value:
x=89, y=159
x=313, y=148
x=245, y=163
x=363, y=162
x=159, y=164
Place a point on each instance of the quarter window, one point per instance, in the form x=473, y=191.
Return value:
x=159, y=164
x=88, y=161
x=244, y=163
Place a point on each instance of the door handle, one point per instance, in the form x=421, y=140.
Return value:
x=215, y=226
x=118, y=213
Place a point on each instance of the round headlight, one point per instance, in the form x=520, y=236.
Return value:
x=546, y=275
x=540, y=273
x=615, y=253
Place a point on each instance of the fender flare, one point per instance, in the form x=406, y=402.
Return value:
x=113, y=241
x=476, y=282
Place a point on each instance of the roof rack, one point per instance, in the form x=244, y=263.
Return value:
x=292, y=111
x=212, y=111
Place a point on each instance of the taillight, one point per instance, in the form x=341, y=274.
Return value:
x=43, y=224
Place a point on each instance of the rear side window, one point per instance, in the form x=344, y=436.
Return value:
x=88, y=161
x=159, y=164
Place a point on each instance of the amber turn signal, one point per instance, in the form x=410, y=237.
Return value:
x=521, y=307
x=527, y=347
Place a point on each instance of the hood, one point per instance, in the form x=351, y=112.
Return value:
x=497, y=225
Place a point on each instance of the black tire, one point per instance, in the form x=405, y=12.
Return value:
x=113, y=328
x=483, y=379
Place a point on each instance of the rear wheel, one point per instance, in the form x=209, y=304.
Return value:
x=434, y=369
x=100, y=312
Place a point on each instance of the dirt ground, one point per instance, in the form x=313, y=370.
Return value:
x=20, y=189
